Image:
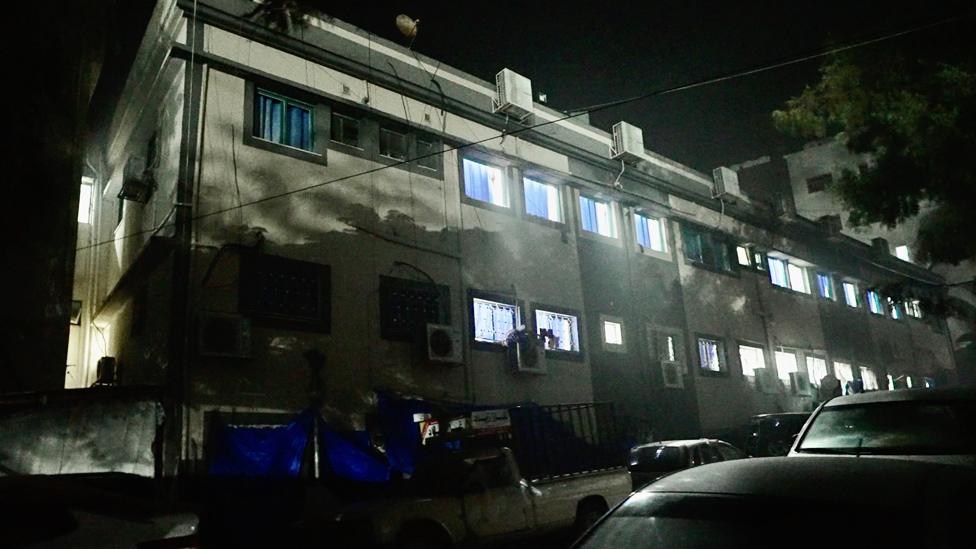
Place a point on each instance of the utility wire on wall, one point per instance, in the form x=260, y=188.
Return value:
x=573, y=114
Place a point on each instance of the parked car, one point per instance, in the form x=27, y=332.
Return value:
x=823, y=501
x=476, y=496
x=773, y=434
x=920, y=424
x=649, y=462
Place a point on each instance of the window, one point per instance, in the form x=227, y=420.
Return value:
x=751, y=358
x=613, y=333
x=285, y=292
x=913, y=308
x=869, y=379
x=759, y=260
x=710, y=355
x=825, y=283
x=429, y=154
x=282, y=120
x=816, y=369
x=742, y=254
x=874, y=302
x=345, y=130
x=902, y=253
x=597, y=217
x=407, y=306
x=666, y=345
x=84, y=200
x=485, y=183
x=785, y=365
x=844, y=373
x=819, y=183
x=894, y=308
x=786, y=274
x=565, y=330
x=850, y=294
x=393, y=144
x=542, y=200
x=650, y=232
x=493, y=320
x=706, y=248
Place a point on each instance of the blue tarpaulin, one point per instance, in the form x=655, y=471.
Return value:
x=401, y=436
x=350, y=456
x=273, y=451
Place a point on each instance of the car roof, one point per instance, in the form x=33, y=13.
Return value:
x=781, y=415
x=905, y=395
x=682, y=442
x=825, y=478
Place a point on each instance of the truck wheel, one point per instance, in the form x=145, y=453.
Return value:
x=588, y=512
x=422, y=537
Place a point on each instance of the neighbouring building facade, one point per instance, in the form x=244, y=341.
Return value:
x=331, y=194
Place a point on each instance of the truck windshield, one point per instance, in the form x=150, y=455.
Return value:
x=920, y=427
x=656, y=459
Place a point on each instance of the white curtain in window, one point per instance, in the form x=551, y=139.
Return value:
x=785, y=364
x=751, y=358
x=869, y=378
x=562, y=326
x=777, y=272
x=798, y=278
x=816, y=369
x=843, y=372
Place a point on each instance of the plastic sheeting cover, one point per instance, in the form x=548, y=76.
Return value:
x=272, y=451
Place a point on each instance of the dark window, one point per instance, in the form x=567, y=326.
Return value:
x=407, y=306
x=729, y=452
x=706, y=248
x=428, y=154
x=120, y=212
x=819, y=183
x=285, y=291
x=345, y=129
x=279, y=119
x=393, y=144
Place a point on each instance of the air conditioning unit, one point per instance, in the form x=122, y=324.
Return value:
x=513, y=94
x=224, y=335
x=671, y=372
x=138, y=182
x=628, y=142
x=800, y=383
x=106, y=372
x=726, y=181
x=786, y=208
x=832, y=224
x=530, y=356
x=444, y=344
x=766, y=380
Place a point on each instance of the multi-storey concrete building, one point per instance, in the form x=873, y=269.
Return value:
x=332, y=191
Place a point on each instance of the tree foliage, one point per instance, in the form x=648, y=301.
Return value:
x=917, y=121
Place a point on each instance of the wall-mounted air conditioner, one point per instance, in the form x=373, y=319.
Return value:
x=530, y=356
x=766, y=380
x=786, y=208
x=800, y=383
x=106, y=372
x=444, y=344
x=831, y=224
x=224, y=335
x=138, y=182
x=726, y=181
x=628, y=142
x=513, y=94
x=671, y=372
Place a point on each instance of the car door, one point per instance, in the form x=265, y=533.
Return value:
x=494, y=503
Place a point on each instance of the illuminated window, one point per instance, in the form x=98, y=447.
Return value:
x=913, y=308
x=850, y=294
x=742, y=254
x=282, y=120
x=493, y=320
x=894, y=308
x=785, y=364
x=542, y=200
x=710, y=355
x=84, y=200
x=485, y=183
x=565, y=329
x=869, y=378
x=650, y=232
x=597, y=217
x=825, y=283
x=816, y=369
x=845, y=373
x=874, y=302
x=751, y=357
x=786, y=274
x=613, y=333
x=902, y=253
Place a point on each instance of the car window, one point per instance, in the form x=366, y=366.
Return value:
x=728, y=451
x=710, y=454
x=657, y=459
x=696, y=456
x=919, y=427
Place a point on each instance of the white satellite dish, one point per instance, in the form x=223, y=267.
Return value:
x=407, y=25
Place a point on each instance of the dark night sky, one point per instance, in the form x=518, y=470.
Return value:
x=604, y=51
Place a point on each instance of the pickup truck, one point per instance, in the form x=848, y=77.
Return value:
x=479, y=496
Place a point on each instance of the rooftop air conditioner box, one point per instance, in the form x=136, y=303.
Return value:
x=530, y=356
x=671, y=372
x=224, y=335
x=137, y=181
x=800, y=383
x=513, y=94
x=444, y=344
x=766, y=380
x=726, y=181
x=628, y=142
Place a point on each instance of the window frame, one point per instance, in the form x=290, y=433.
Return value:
x=499, y=163
x=788, y=262
x=320, y=113
x=832, y=285
x=613, y=347
x=796, y=362
x=495, y=297
x=396, y=130
x=856, y=293
x=807, y=357
x=662, y=223
x=714, y=239
x=248, y=303
x=614, y=217
x=881, y=309
x=653, y=331
x=361, y=127
x=388, y=284
x=559, y=354
x=542, y=179
x=752, y=345
x=723, y=359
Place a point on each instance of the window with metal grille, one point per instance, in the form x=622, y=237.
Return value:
x=285, y=291
x=407, y=306
x=493, y=320
x=564, y=327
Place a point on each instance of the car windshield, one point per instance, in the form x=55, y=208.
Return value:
x=920, y=427
x=656, y=459
x=650, y=519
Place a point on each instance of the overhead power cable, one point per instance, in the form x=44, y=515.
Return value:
x=822, y=52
